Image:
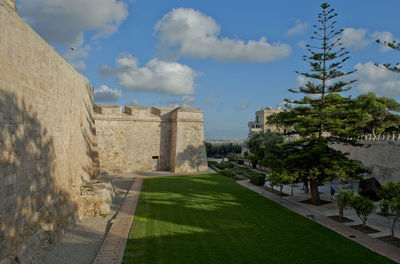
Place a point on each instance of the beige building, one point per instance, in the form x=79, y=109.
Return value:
x=259, y=125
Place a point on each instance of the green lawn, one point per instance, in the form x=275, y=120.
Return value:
x=211, y=219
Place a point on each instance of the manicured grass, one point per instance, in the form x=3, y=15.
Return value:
x=211, y=219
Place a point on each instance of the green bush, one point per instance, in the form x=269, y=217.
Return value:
x=229, y=165
x=363, y=207
x=221, y=166
x=240, y=162
x=227, y=173
x=390, y=204
x=344, y=199
x=257, y=179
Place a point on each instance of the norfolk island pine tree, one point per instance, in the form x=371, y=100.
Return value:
x=322, y=117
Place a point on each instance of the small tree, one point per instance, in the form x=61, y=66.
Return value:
x=382, y=113
x=343, y=200
x=390, y=204
x=262, y=144
x=363, y=207
x=254, y=160
x=280, y=178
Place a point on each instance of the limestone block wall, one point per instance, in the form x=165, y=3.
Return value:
x=188, y=143
x=46, y=128
x=129, y=140
x=382, y=158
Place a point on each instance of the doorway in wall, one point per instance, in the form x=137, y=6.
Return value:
x=155, y=163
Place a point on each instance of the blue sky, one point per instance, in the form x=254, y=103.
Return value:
x=228, y=58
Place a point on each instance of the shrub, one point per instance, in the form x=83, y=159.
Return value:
x=390, y=204
x=227, y=173
x=240, y=162
x=229, y=165
x=257, y=179
x=363, y=207
x=221, y=166
x=344, y=200
x=280, y=177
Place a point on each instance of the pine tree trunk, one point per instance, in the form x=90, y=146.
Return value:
x=314, y=191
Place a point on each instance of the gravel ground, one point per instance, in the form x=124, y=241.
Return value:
x=81, y=243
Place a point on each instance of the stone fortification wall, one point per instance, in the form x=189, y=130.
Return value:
x=381, y=157
x=45, y=137
x=127, y=140
x=187, y=141
x=136, y=139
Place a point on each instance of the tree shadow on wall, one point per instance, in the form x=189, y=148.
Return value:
x=89, y=135
x=192, y=158
x=31, y=202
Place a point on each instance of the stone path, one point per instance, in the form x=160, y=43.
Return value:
x=82, y=242
x=373, y=244
x=113, y=247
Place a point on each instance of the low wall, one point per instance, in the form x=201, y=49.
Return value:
x=45, y=137
x=381, y=157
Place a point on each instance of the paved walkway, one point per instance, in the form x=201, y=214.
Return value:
x=113, y=247
x=373, y=244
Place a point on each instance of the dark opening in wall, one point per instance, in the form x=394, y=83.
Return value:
x=155, y=163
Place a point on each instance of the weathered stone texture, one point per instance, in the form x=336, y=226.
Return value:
x=187, y=145
x=45, y=135
x=128, y=141
x=381, y=158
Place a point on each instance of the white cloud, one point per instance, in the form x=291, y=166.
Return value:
x=185, y=31
x=185, y=100
x=297, y=29
x=301, y=81
x=383, y=36
x=64, y=22
x=156, y=76
x=242, y=106
x=106, y=94
x=377, y=80
x=132, y=102
x=354, y=38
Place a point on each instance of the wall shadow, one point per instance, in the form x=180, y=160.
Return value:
x=89, y=135
x=193, y=159
x=165, y=145
x=34, y=210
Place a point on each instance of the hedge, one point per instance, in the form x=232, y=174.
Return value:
x=257, y=179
